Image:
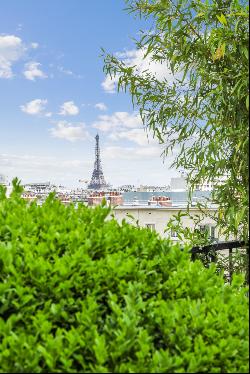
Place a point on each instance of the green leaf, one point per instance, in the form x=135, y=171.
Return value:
x=246, y=52
x=222, y=19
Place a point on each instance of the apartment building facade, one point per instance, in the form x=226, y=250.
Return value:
x=157, y=218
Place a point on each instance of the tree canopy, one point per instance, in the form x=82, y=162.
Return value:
x=201, y=112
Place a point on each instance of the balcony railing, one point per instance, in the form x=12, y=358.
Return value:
x=211, y=249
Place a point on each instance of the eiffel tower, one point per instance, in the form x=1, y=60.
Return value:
x=97, y=181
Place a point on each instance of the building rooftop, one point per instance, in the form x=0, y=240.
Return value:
x=158, y=207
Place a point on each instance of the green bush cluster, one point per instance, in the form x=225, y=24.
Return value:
x=81, y=293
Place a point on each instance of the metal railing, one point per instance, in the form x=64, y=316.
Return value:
x=211, y=250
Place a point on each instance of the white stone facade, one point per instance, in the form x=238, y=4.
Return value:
x=156, y=218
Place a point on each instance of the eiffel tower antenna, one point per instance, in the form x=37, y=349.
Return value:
x=97, y=180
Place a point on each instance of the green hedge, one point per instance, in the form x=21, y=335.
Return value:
x=81, y=293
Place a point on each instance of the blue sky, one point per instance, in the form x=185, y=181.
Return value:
x=54, y=96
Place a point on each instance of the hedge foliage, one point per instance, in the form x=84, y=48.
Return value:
x=81, y=293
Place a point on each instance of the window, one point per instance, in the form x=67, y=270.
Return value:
x=209, y=229
x=212, y=232
x=150, y=226
x=204, y=228
x=174, y=234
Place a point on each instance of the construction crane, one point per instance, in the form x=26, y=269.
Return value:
x=85, y=181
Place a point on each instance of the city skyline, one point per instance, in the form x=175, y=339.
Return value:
x=54, y=96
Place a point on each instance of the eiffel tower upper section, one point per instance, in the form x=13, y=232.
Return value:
x=97, y=180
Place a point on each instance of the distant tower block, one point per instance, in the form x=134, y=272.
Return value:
x=97, y=181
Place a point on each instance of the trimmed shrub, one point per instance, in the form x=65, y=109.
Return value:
x=81, y=293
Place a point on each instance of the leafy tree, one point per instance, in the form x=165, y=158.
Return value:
x=203, y=112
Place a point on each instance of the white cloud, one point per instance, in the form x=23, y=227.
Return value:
x=101, y=106
x=69, y=131
x=69, y=72
x=130, y=153
x=33, y=71
x=64, y=71
x=19, y=27
x=33, y=168
x=124, y=126
x=34, y=45
x=117, y=121
x=136, y=58
x=11, y=50
x=5, y=69
x=69, y=109
x=35, y=107
x=109, y=84
x=138, y=136
x=35, y=161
